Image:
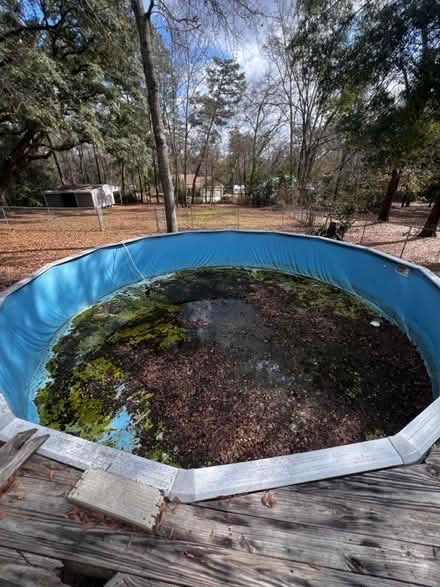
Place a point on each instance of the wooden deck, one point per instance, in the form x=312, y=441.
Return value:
x=372, y=529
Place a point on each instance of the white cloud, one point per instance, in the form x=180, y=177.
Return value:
x=252, y=60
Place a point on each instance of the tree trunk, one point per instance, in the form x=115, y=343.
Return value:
x=133, y=184
x=431, y=224
x=156, y=183
x=16, y=159
x=339, y=176
x=203, y=153
x=122, y=181
x=185, y=145
x=141, y=187
x=73, y=167
x=81, y=164
x=57, y=163
x=67, y=163
x=98, y=170
x=145, y=30
x=393, y=184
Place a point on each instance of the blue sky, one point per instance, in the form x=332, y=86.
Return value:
x=247, y=50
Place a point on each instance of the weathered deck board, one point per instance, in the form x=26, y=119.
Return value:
x=380, y=529
x=338, y=505
x=120, y=580
x=39, y=467
x=433, y=457
x=370, y=555
x=22, y=575
x=404, y=485
x=49, y=535
x=123, y=499
x=17, y=451
x=23, y=569
x=176, y=562
x=38, y=495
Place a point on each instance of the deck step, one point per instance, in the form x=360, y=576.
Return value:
x=117, y=497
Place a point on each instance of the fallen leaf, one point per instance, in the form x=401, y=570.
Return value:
x=188, y=554
x=268, y=500
x=10, y=483
x=162, y=514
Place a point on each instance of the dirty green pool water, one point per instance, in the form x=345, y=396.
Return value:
x=101, y=378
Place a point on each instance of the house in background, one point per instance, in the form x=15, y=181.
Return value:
x=208, y=190
x=81, y=196
x=235, y=191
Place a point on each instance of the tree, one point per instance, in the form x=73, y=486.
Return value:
x=189, y=57
x=145, y=31
x=263, y=123
x=214, y=109
x=431, y=224
x=212, y=14
x=60, y=75
x=394, y=57
x=237, y=161
x=307, y=47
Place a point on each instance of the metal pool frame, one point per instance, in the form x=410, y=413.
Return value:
x=406, y=447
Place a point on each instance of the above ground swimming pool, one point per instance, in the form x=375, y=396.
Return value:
x=35, y=311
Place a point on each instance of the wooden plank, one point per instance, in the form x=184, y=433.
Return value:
x=417, y=524
x=39, y=467
x=273, y=537
x=433, y=457
x=43, y=562
x=120, y=498
x=394, y=559
x=22, y=575
x=117, y=581
x=120, y=580
x=176, y=562
x=372, y=507
x=403, y=485
x=16, y=451
x=31, y=495
x=29, y=570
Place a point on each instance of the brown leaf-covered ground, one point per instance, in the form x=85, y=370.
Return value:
x=31, y=240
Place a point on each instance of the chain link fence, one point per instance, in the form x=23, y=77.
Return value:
x=396, y=237
x=51, y=219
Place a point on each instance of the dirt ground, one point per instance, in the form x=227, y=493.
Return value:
x=221, y=366
x=29, y=241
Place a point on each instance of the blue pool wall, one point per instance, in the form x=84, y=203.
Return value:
x=31, y=315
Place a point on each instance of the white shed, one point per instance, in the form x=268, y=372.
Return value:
x=81, y=196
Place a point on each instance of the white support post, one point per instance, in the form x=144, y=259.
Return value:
x=100, y=216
